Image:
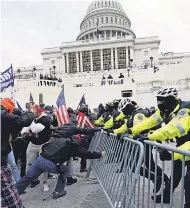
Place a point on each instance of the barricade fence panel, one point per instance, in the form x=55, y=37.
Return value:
x=136, y=175
x=119, y=170
x=163, y=175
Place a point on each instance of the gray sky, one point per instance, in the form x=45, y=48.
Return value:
x=29, y=26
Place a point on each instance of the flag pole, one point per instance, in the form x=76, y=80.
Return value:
x=12, y=89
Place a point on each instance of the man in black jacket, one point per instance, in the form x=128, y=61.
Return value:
x=62, y=146
x=10, y=123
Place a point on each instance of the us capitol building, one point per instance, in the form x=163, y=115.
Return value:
x=106, y=45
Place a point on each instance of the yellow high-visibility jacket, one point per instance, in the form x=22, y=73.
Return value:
x=99, y=121
x=177, y=125
x=120, y=117
x=136, y=117
x=110, y=124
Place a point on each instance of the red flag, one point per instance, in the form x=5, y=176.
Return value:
x=61, y=109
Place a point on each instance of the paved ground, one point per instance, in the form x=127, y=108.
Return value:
x=83, y=194
x=87, y=194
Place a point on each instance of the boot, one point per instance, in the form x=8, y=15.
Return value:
x=34, y=183
x=166, y=197
x=57, y=195
x=71, y=181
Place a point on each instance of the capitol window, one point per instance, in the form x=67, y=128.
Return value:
x=102, y=20
x=123, y=22
x=111, y=19
x=93, y=21
x=97, y=21
x=106, y=19
x=116, y=20
x=89, y=23
x=120, y=21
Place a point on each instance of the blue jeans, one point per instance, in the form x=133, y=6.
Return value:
x=40, y=166
x=14, y=168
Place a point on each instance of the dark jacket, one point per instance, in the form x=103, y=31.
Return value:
x=9, y=124
x=63, y=145
x=70, y=129
x=43, y=136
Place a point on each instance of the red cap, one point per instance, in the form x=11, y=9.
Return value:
x=38, y=109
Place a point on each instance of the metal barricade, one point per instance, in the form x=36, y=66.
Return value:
x=161, y=176
x=119, y=170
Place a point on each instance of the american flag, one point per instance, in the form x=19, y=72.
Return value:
x=83, y=121
x=82, y=101
x=61, y=109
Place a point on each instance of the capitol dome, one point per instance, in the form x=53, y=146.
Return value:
x=105, y=19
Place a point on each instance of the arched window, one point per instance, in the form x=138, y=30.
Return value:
x=120, y=21
x=106, y=19
x=111, y=19
x=89, y=23
x=102, y=19
x=116, y=20
x=97, y=21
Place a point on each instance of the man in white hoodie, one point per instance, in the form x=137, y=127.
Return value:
x=38, y=133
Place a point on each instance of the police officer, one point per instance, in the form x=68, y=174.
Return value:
x=136, y=115
x=175, y=113
x=105, y=116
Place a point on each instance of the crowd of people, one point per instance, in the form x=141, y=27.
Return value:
x=33, y=144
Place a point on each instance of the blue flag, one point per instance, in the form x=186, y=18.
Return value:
x=82, y=101
x=7, y=79
x=19, y=107
x=31, y=100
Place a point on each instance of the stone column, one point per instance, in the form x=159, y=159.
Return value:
x=110, y=34
x=63, y=64
x=127, y=59
x=112, y=59
x=101, y=57
x=81, y=64
x=132, y=53
x=67, y=57
x=77, y=59
x=116, y=60
x=91, y=61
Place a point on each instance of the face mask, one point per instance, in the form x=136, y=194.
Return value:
x=161, y=105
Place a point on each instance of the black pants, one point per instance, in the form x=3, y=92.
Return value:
x=177, y=174
x=152, y=166
x=19, y=150
x=86, y=140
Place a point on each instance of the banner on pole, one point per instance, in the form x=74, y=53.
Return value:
x=6, y=79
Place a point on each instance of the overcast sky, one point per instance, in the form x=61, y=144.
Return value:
x=29, y=26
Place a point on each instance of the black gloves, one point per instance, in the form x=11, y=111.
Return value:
x=109, y=131
x=140, y=137
x=129, y=131
x=165, y=155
